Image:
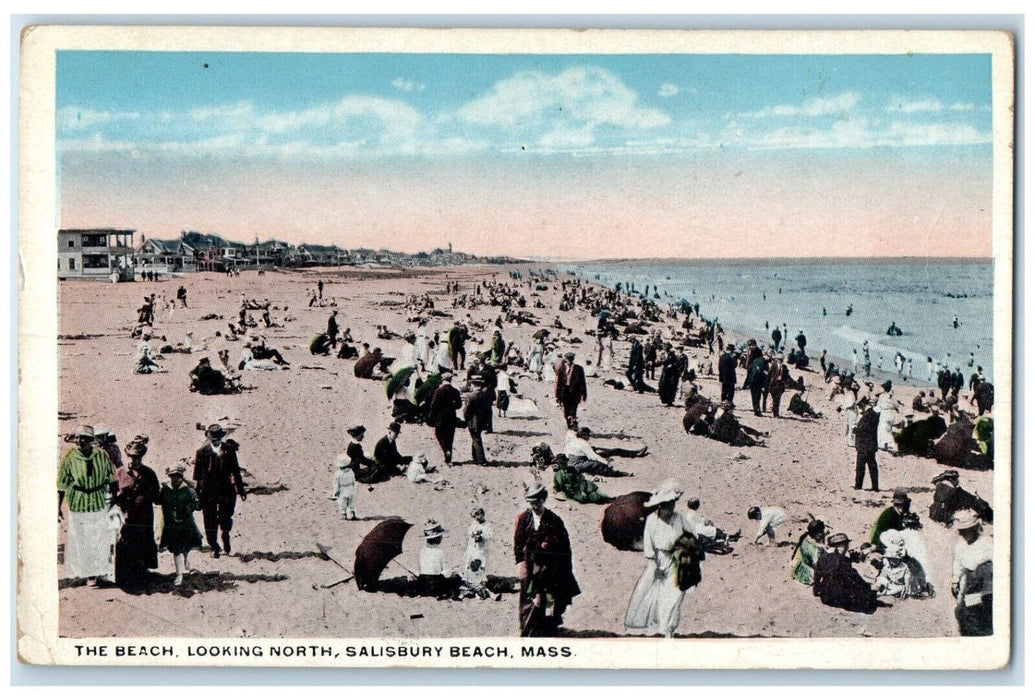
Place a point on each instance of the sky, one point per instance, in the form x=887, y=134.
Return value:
x=568, y=156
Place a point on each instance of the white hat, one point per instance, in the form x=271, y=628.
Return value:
x=668, y=492
x=965, y=520
x=342, y=460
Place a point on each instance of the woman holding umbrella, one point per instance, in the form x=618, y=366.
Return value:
x=657, y=597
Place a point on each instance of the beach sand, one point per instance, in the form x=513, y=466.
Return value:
x=292, y=424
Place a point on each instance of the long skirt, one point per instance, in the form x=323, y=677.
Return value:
x=885, y=438
x=91, y=542
x=655, y=603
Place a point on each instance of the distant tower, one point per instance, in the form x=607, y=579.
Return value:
x=450, y=248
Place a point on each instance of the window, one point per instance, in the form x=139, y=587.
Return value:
x=96, y=262
x=71, y=263
x=71, y=243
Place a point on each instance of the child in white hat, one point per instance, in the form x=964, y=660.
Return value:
x=345, y=486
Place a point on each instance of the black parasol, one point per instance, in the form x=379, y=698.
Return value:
x=622, y=524
x=380, y=546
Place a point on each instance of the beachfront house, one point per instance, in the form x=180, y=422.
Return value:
x=95, y=253
x=214, y=253
x=309, y=254
x=164, y=256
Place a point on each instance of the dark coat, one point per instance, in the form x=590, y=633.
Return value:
x=547, y=547
x=570, y=384
x=365, y=366
x=386, y=455
x=445, y=402
x=866, y=431
x=758, y=376
x=217, y=475
x=839, y=585
x=478, y=413
x=728, y=368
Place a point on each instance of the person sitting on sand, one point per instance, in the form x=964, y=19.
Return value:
x=920, y=403
x=836, y=582
x=807, y=552
x=388, y=461
x=726, y=428
x=583, y=458
x=369, y=366
x=473, y=580
x=711, y=538
x=901, y=574
x=769, y=518
x=800, y=407
x=207, y=380
x=573, y=485
x=359, y=463
x=418, y=470
x=320, y=344
x=896, y=517
x=261, y=351
x=435, y=578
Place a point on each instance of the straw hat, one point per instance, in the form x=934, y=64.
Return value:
x=534, y=491
x=668, y=492
x=838, y=538
x=84, y=431
x=433, y=530
x=965, y=520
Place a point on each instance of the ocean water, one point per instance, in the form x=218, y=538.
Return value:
x=922, y=297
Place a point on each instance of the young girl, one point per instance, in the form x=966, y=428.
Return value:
x=478, y=536
x=179, y=533
x=345, y=486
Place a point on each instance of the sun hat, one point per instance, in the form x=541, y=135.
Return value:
x=838, y=538
x=667, y=492
x=356, y=430
x=101, y=432
x=433, y=530
x=84, y=431
x=342, y=460
x=965, y=520
x=178, y=468
x=900, y=496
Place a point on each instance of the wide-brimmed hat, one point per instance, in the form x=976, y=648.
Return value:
x=356, y=430
x=965, y=520
x=900, y=496
x=534, y=491
x=101, y=431
x=433, y=530
x=947, y=475
x=668, y=492
x=136, y=448
x=215, y=431
x=178, y=468
x=816, y=529
x=342, y=460
x=84, y=431
x=838, y=538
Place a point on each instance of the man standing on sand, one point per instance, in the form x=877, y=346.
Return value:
x=442, y=408
x=456, y=337
x=542, y=551
x=570, y=388
x=181, y=294
x=728, y=373
x=319, y=288
x=332, y=328
x=478, y=416
x=866, y=444
x=88, y=482
x=218, y=482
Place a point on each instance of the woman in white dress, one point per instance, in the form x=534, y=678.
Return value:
x=535, y=358
x=886, y=408
x=657, y=599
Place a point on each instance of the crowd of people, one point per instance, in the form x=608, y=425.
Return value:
x=448, y=370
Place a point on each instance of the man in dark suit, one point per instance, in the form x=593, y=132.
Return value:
x=728, y=373
x=218, y=482
x=386, y=454
x=478, y=416
x=442, y=408
x=866, y=444
x=570, y=388
x=542, y=552
x=836, y=582
x=332, y=328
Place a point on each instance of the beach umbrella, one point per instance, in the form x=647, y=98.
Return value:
x=380, y=546
x=398, y=380
x=426, y=389
x=622, y=523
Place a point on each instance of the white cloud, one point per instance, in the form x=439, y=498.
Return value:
x=586, y=96
x=910, y=105
x=668, y=90
x=407, y=85
x=74, y=118
x=963, y=107
x=816, y=107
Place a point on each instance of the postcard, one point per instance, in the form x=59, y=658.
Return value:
x=515, y=348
